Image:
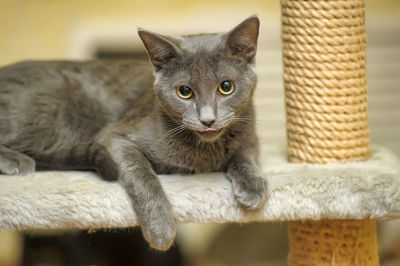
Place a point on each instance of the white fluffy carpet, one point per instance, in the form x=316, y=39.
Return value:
x=354, y=190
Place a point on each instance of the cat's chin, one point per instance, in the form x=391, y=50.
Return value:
x=209, y=136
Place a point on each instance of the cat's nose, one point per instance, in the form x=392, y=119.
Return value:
x=208, y=123
x=207, y=116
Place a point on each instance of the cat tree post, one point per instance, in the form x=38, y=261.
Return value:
x=326, y=108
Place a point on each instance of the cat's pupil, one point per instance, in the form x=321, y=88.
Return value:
x=185, y=90
x=226, y=86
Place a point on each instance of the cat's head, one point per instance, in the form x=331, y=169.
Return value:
x=204, y=82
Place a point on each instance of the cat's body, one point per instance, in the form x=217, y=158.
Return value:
x=48, y=109
x=114, y=117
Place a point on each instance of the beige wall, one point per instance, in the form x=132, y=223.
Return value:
x=32, y=29
x=44, y=29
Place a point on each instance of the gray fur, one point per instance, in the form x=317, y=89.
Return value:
x=115, y=118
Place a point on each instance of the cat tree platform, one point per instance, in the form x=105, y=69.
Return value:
x=352, y=190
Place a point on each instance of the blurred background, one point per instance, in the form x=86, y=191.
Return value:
x=77, y=30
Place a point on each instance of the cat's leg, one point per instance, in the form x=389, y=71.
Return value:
x=122, y=160
x=15, y=163
x=103, y=162
x=249, y=187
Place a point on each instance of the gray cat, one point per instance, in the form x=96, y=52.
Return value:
x=190, y=111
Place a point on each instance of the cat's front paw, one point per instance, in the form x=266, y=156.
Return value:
x=160, y=231
x=15, y=163
x=250, y=192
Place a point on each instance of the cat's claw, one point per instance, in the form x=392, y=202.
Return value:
x=250, y=195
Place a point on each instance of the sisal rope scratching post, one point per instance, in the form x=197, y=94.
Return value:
x=326, y=108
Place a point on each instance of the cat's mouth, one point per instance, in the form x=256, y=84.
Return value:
x=209, y=134
x=211, y=129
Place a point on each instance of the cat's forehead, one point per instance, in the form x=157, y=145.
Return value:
x=207, y=42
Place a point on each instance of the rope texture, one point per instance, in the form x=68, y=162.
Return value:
x=333, y=243
x=325, y=80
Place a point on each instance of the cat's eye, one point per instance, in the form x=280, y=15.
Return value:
x=184, y=92
x=226, y=87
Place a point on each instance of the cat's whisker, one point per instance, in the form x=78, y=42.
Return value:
x=174, y=129
x=177, y=130
x=221, y=146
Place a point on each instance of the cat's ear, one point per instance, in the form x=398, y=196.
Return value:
x=161, y=50
x=242, y=40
